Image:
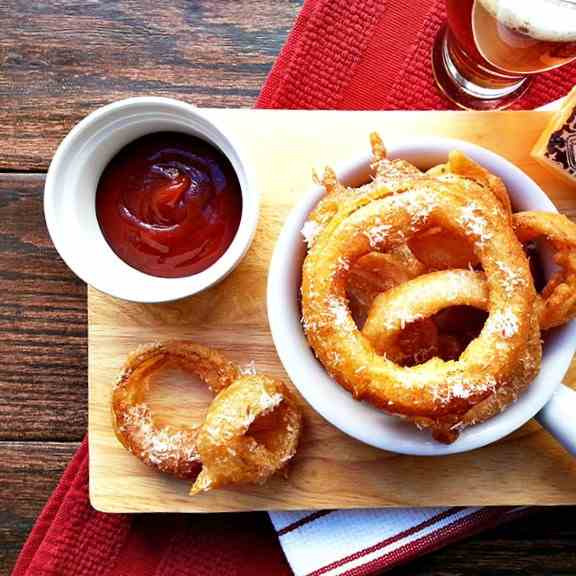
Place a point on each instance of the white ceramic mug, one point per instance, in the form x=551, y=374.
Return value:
x=70, y=192
x=553, y=403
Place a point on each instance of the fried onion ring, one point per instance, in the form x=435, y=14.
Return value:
x=418, y=300
x=426, y=390
x=557, y=302
x=456, y=287
x=167, y=448
x=250, y=432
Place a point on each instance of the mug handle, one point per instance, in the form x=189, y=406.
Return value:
x=559, y=417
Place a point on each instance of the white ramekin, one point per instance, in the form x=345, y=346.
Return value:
x=70, y=190
x=556, y=402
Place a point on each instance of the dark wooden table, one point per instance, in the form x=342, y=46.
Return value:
x=60, y=60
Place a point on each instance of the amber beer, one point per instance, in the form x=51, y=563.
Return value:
x=496, y=44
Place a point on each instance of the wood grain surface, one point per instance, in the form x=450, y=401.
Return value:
x=58, y=61
x=29, y=472
x=43, y=324
x=330, y=470
x=62, y=59
x=537, y=545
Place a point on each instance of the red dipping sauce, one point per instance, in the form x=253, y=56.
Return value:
x=169, y=204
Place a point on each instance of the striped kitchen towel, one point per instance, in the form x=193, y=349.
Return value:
x=362, y=542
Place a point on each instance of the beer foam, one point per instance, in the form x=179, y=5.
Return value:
x=546, y=20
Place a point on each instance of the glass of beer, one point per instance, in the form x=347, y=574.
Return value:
x=486, y=53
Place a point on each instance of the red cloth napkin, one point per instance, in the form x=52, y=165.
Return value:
x=372, y=55
x=343, y=54
x=71, y=539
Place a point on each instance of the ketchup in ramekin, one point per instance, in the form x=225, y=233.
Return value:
x=169, y=204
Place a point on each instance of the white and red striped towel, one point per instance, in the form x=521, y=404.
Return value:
x=362, y=542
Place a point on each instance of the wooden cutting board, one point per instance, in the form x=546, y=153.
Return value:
x=330, y=470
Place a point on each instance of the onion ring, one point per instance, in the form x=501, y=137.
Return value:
x=391, y=311
x=557, y=302
x=166, y=448
x=250, y=432
x=457, y=287
x=424, y=390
